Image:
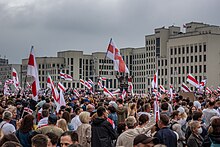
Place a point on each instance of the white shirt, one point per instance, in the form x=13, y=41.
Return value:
x=42, y=122
x=76, y=122
x=7, y=128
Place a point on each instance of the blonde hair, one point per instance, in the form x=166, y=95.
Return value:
x=61, y=123
x=84, y=117
x=193, y=125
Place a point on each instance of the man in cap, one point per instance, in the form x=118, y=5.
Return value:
x=145, y=141
x=5, y=126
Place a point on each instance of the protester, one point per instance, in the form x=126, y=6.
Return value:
x=142, y=140
x=75, y=122
x=5, y=126
x=39, y=140
x=68, y=138
x=52, y=139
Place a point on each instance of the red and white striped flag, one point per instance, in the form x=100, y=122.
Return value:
x=192, y=80
x=162, y=89
x=171, y=92
x=82, y=82
x=61, y=87
x=76, y=93
x=6, y=89
x=9, y=81
x=116, y=92
x=100, y=84
x=33, y=71
x=28, y=110
x=66, y=77
x=90, y=82
x=15, y=78
x=87, y=85
x=156, y=110
x=130, y=88
x=185, y=88
x=155, y=80
x=123, y=94
x=218, y=89
x=103, y=78
x=209, y=91
x=107, y=92
x=114, y=54
x=51, y=85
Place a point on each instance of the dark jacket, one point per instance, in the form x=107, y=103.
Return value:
x=102, y=133
x=167, y=137
x=209, y=139
x=195, y=141
x=24, y=138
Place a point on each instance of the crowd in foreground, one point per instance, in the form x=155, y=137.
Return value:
x=98, y=121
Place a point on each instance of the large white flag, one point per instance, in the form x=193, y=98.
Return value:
x=15, y=78
x=33, y=71
x=114, y=54
x=155, y=81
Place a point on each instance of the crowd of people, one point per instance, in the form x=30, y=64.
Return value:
x=98, y=121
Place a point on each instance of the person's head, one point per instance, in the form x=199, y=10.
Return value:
x=101, y=112
x=119, y=101
x=45, y=113
x=39, y=140
x=147, y=107
x=68, y=138
x=90, y=108
x=61, y=123
x=164, y=121
x=175, y=115
x=142, y=140
x=8, y=137
x=27, y=123
x=78, y=110
x=164, y=106
x=130, y=122
x=66, y=116
x=13, y=110
x=195, y=127
x=84, y=117
x=215, y=126
x=197, y=115
x=46, y=106
x=7, y=116
x=52, y=119
x=211, y=103
x=52, y=139
x=121, y=127
x=143, y=119
x=111, y=109
x=11, y=144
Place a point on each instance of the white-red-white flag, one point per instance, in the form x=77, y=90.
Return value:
x=90, y=82
x=76, y=93
x=114, y=54
x=87, y=85
x=9, y=81
x=15, y=78
x=82, y=82
x=116, y=92
x=61, y=87
x=6, y=89
x=218, y=89
x=130, y=88
x=103, y=78
x=28, y=110
x=32, y=70
x=66, y=77
x=171, y=92
x=107, y=92
x=185, y=88
x=156, y=110
x=123, y=94
x=100, y=84
x=208, y=90
x=192, y=80
x=54, y=90
x=162, y=89
x=155, y=80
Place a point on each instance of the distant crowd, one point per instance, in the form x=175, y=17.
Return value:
x=98, y=121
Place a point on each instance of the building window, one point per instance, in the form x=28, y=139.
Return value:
x=171, y=60
x=179, y=70
x=187, y=49
x=204, y=47
x=175, y=51
x=191, y=59
x=191, y=49
x=171, y=70
x=171, y=51
x=195, y=48
x=200, y=48
x=196, y=69
x=195, y=58
x=179, y=50
x=187, y=59
x=204, y=58
x=183, y=60
x=200, y=68
x=165, y=71
x=200, y=58
x=183, y=69
x=179, y=59
x=191, y=71
x=204, y=68
x=165, y=62
x=175, y=60
x=183, y=50
x=187, y=69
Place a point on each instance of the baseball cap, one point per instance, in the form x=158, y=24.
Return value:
x=141, y=138
x=130, y=121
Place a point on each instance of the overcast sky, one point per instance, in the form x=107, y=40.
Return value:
x=88, y=25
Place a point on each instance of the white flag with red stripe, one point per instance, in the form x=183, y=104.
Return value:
x=103, y=78
x=123, y=94
x=90, y=82
x=15, y=78
x=218, y=89
x=33, y=71
x=76, y=93
x=162, y=89
x=130, y=88
x=208, y=90
x=116, y=92
x=155, y=80
x=114, y=54
x=51, y=85
x=6, y=89
x=185, y=88
x=28, y=110
x=61, y=87
x=9, y=81
x=82, y=82
x=66, y=77
x=100, y=84
x=107, y=92
x=171, y=92
x=156, y=110
x=192, y=80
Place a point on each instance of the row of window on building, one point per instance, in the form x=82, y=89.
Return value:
x=187, y=69
x=188, y=49
x=186, y=59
